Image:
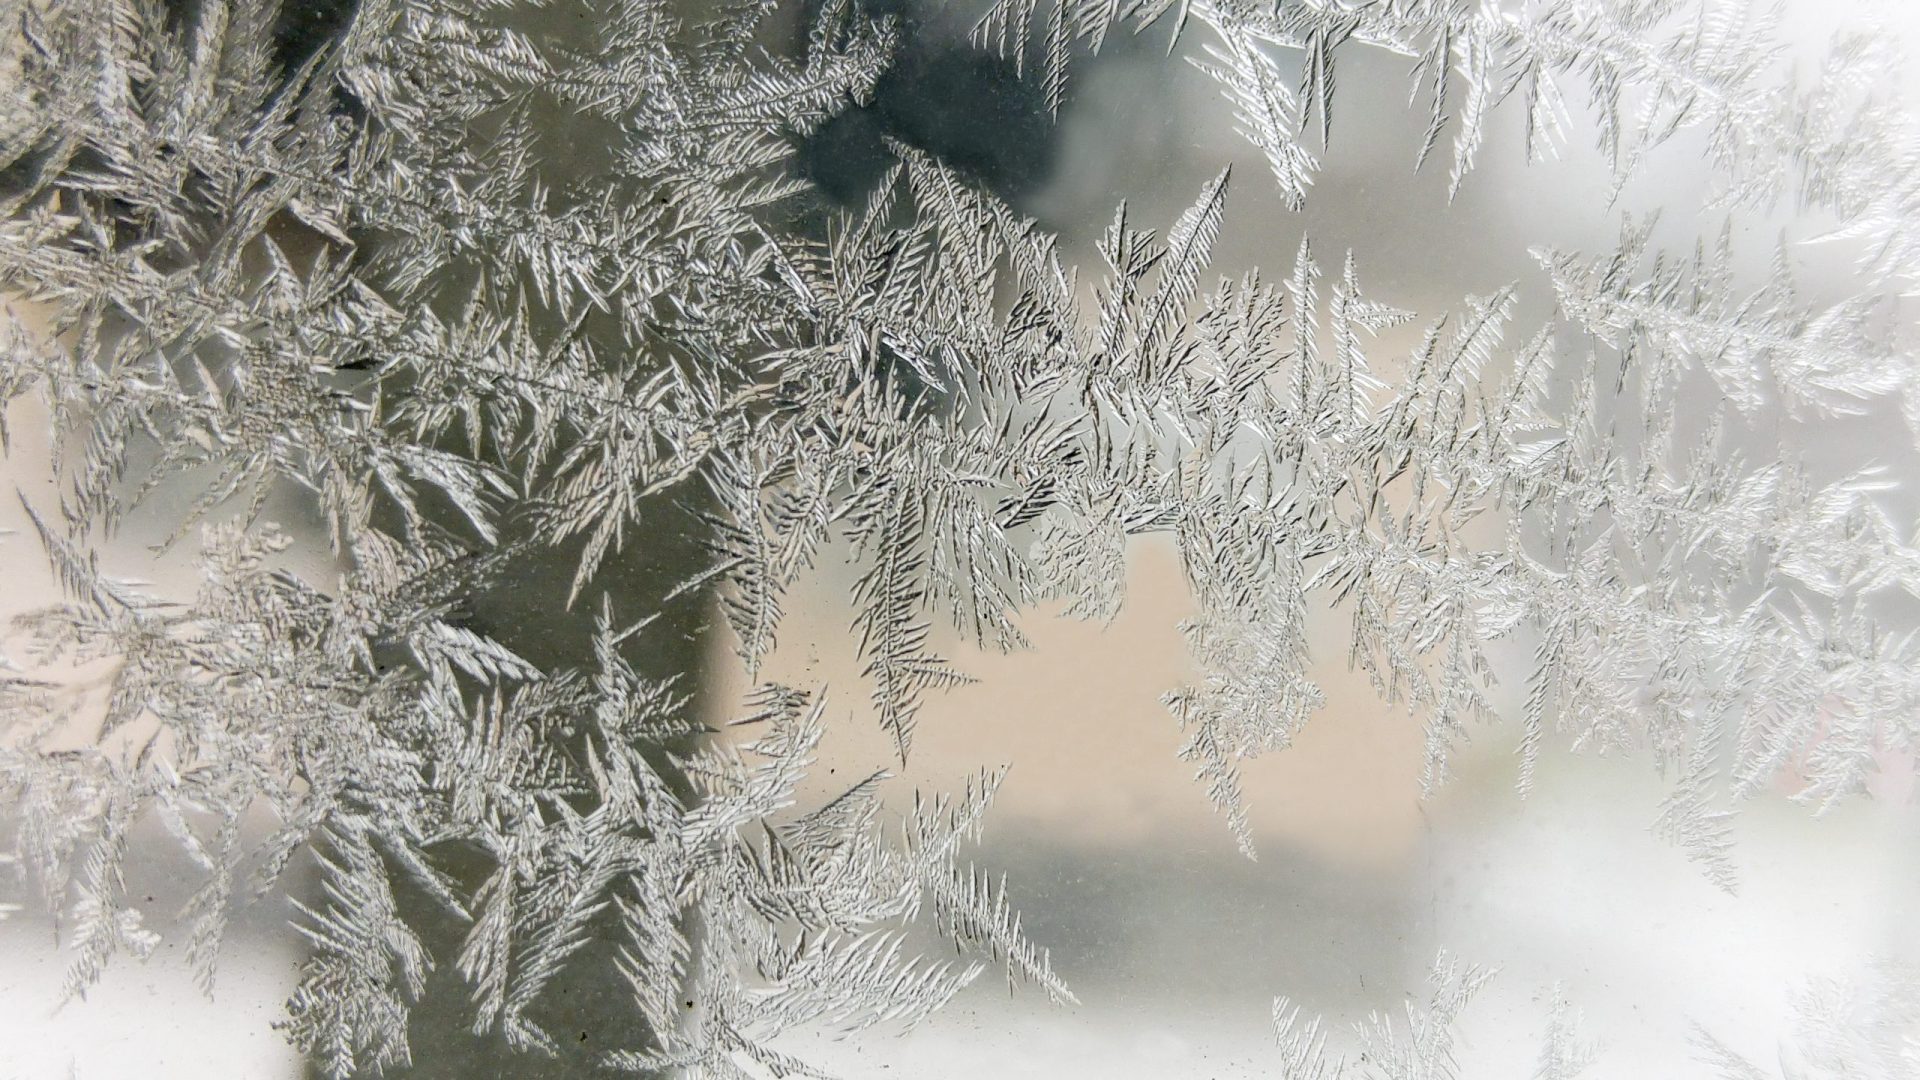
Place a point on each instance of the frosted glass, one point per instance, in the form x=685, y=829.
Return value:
x=1036, y=538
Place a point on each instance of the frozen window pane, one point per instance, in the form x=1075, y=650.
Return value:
x=1032, y=537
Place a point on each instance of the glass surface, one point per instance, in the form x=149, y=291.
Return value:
x=655, y=256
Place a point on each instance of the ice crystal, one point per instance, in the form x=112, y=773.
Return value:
x=1838, y=1028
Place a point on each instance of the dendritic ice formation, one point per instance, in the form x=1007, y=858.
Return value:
x=1838, y=1029
x=484, y=299
x=1420, y=1044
